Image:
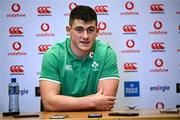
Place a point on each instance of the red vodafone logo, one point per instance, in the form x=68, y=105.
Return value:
x=130, y=43
x=159, y=105
x=129, y=5
x=72, y=5
x=157, y=25
x=15, y=7
x=44, y=27
x=102, y=25
x=16, y=46
x=158, y=62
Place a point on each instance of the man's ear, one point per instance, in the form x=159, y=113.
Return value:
x=68, y=30
x=97, y=32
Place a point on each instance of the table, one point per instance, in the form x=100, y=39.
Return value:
x=144, y=114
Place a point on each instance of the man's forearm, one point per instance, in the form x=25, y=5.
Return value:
x=66, y=103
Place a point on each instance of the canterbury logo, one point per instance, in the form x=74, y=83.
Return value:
x=129, y=28
x=101, y=8
x=44, y=10
x=15, y=7
x=17, y=68
x=157, y=7
x=157, y=45
x=129, y=5
x=43, y=48
x=130, y=43
x=15, y=30
x=130, y=66
x=158, y=62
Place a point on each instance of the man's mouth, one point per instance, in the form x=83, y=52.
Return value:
x=84, y=42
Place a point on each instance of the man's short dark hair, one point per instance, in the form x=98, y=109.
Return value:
x=84, y=13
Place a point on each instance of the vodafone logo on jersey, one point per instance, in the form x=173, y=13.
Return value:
x=102, y=26
x=130, y=67
x=157, y=8
x=16, y=9
x=159, y=66
x=158, y=47
x=130, y=45
x=16, y=47
x=158, y=28
x=16, y=70
x=16, y=31
x=70, y=7
x=129, y=9
x=45, y=28
x=129, y=29
x=101, y=9
x=43, y=48
x=44, y=11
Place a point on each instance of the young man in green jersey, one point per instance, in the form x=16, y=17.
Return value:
x=80, y=73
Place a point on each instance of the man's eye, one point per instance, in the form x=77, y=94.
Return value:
x=90, y=30
x=79, y=30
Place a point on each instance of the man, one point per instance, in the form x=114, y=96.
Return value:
x=80, y=73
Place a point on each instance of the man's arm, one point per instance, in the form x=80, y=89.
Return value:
x=109, y=86
x=52, y=101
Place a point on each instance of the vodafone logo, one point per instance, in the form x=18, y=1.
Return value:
x=129, y=5
x=44, y=27
x=157, y=7
x=159, y=105
x=130, y=43
x=15, y=30
x=129, y=28
x=15, y=7
x=43, y=48
x=72, y=5
x=102, y=25
x=130, y=66
x=157, y=25
x=158, y=62
x=44, y=10
x=16, y=69
x=16, y=46
x=157, y=45
x=101, y=8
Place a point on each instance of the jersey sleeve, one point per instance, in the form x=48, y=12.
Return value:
x=49, y=68
x=110, y=69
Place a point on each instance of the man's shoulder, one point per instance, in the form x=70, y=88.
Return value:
x=57, y=47
x=102, y=45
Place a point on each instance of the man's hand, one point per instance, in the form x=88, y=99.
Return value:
x=102, y=102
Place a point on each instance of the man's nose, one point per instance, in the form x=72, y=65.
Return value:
x=85, y=34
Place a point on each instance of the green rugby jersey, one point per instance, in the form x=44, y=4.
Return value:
x=79, y=77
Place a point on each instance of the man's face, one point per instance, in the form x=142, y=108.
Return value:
x=83, y=35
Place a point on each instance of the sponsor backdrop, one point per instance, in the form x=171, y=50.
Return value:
x=145, y=35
